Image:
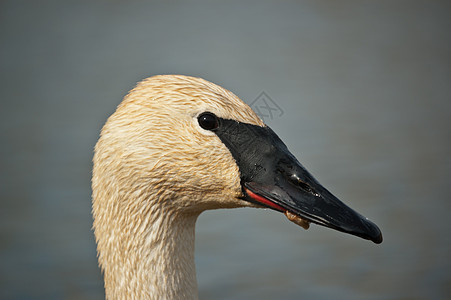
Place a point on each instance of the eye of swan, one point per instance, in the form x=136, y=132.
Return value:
x=208, y=121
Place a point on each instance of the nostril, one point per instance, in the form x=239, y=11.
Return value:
x=301, y=184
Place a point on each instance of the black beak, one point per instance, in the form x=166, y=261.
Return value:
x=271, y=176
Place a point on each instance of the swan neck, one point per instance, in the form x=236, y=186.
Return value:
x=158, y=264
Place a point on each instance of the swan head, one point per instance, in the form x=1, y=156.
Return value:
x=182, y=145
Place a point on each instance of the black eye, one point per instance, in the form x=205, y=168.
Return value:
x=208, y=121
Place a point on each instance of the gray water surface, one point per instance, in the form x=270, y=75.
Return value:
x=365, y=94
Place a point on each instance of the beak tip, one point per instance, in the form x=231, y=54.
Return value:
x=377, y=239
x=374, y=233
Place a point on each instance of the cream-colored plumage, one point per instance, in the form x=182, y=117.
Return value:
x=155, y=170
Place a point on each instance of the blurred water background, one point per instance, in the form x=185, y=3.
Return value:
x=364, y=89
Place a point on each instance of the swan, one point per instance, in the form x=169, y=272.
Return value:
x=175, y=147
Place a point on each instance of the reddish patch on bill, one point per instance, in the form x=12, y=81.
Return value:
x=264, y=201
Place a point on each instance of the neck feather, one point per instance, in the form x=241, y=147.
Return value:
x=150, y=258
